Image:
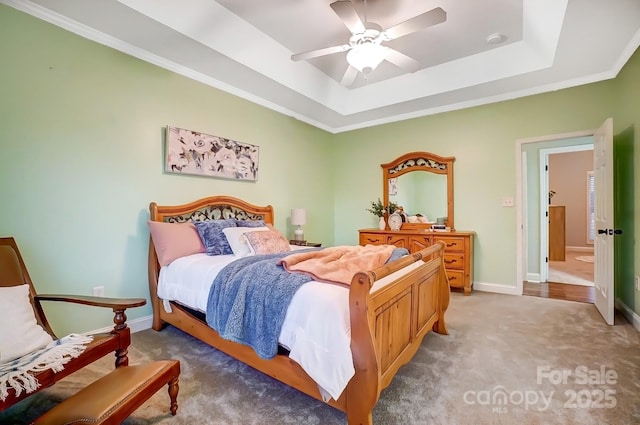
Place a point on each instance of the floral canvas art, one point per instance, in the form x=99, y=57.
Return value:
x=192, y=152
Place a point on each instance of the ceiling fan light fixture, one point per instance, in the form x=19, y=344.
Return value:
x=366, y=57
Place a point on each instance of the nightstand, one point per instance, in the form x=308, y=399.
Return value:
x=305, y=243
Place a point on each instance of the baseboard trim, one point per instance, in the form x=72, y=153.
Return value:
x=136, y=325
x=495, y=288
x=627, y=312
x=533, y=277
x=141, y=323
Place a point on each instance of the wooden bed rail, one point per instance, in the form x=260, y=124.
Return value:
x=424, y=254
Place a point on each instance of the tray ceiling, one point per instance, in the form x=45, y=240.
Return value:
x=244, y=47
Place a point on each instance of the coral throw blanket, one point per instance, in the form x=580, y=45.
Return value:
x=338, y=264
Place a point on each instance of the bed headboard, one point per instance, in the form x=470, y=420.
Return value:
x=211, y=208
x=214, y=207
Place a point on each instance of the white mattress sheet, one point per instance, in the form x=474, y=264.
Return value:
x=316, y=328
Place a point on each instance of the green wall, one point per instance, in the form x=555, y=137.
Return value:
x=627, y=178
x=81, y=157
x=483, y=140
x=81, y=133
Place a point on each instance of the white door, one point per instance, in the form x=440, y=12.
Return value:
x=603, y=244
x=544, y=215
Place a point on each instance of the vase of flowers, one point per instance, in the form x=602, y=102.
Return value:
x=378, y=209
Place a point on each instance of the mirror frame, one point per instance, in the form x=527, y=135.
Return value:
x=420, y=161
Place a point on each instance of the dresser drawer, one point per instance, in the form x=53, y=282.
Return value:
x=452, y=243
x=456, y=278
x=454, y=260
x=372, y=239
x=457, y=255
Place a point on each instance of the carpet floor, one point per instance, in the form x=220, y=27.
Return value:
x=507, y=360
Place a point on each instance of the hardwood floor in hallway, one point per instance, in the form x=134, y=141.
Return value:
x=570, y=280
x=560, y=291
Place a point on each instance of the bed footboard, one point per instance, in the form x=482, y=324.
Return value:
x=389, y=324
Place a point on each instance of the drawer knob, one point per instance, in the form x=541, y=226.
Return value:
x=450, y=261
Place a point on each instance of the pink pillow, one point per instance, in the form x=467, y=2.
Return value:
x=174, y=240
x=267, y=242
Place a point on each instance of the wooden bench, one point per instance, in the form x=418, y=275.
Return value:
x=115, y=396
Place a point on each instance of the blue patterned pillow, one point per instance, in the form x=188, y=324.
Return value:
x=250, y=223
x=214, y=240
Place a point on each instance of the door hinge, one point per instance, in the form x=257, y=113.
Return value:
x=546, y=259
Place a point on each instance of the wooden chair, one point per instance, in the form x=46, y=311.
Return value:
x=13, y=272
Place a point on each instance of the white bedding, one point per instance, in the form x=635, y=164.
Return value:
x=316, y=328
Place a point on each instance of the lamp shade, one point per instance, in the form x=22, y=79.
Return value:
x=298, y=216
x=366, y=57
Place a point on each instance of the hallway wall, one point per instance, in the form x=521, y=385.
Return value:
x=568, y=178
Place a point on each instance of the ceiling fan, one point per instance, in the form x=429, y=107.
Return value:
x=365, y=48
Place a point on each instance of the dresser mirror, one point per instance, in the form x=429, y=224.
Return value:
x=422, y=183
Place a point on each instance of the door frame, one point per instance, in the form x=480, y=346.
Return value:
x=543, y=201
x=521, y=248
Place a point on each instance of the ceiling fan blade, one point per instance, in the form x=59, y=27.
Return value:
x=402, y=61
x=346, y=12
x=320, y=52
x=349, y=76
x=417, y=23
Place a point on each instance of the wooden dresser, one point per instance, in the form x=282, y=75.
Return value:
x=557, y=233
x=458, y=253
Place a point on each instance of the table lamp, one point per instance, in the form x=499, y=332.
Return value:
x=298, y=218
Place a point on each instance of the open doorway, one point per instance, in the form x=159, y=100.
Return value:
x=570, y=222
x=529, y=220
x=534, y=156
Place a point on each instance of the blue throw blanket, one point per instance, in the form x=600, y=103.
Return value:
x=248, y=300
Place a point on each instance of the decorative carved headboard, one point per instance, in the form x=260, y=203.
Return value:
x=212, y=208
x=214, y=212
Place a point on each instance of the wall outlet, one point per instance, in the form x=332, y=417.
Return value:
x=98, y=291
x=507, y=201
x=637, y=283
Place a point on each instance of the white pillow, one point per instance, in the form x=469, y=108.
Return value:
x=237, y=241
x=19, y=331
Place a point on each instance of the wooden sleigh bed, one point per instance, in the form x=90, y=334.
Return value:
x=387, y=326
